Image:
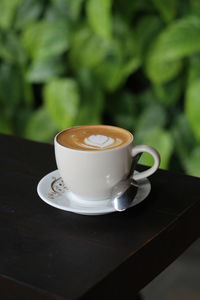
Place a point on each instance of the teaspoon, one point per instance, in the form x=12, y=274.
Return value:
x=124, y=193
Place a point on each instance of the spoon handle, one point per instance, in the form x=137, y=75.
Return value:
x=124, y=201
x=133, y=165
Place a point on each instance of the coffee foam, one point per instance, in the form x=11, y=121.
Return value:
x=94, y=137
x=99, y=140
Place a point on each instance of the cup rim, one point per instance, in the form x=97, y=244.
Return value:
x=94, y=151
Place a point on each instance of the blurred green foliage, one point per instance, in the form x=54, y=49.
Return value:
x=134, y=64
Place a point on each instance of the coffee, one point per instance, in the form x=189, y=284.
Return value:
x=94, y=137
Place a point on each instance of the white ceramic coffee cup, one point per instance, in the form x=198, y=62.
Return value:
x=91, y=175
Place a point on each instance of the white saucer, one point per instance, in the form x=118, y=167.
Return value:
x=52, y=190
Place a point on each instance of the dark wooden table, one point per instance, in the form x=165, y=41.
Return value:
x=47, y=253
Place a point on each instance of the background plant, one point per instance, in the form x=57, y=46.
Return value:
x=134, y=64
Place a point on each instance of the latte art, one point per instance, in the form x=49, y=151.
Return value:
x=94, y=137
x=98, y=140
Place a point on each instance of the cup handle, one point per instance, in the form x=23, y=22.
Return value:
x=156, y=156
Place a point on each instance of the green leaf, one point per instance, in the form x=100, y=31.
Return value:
x=127, y=42
x=192, y=107
x=30, y=37
x=8, y=10
x=133, y=9
x=64, y=8
x=5, y=126
x=184, y=8
x=162, y=71
x=170, y=92
x=131, y=55
x=124, y=109
x=90, y=110
x=112, y=60
x=192, y=162
x=162, y=141
x=194, y=69
x=152, y=116
x=99, y=17
x=146, y=30
x=74, y=8
x=44, y=70
x=194, y=7
x=27, y=12
x=146, y=98
x=180, y=39
x=130, y=67
x=11, y=49
x=93, y=49
x=92, y=100
x=20, y=119
x=192, y=102
x=141, y=6
x=110, y=72
x=122, y=57
x=11, y=87
x=167, y=9
x=46, y=39
x=40, y=126
x=183, y=136
x=61, y=98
